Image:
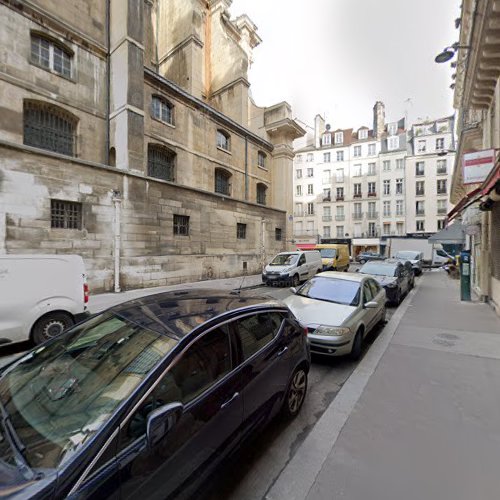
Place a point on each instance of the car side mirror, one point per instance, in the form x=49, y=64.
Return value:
x=161, y=421
x=293, y=290
x=371, y=305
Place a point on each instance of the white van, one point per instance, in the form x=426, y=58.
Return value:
x=292, y=267
x=40, y=295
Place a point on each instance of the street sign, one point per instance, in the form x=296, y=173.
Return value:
x=476, y=166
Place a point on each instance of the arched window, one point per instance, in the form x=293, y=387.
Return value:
x=222, y=184
x=162, y=110
x=261, y=159
x=223, y=140
x=51, y=54
x=161, y=162
x=49, y=127
x=261, y=194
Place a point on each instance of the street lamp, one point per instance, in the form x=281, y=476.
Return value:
x=449, y=52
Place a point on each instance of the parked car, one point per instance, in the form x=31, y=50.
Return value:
x=41, y=295
x=334, y=257
x=392, y=276
x=416, y=259
x=339, y=310
x=411, y=273
x=145, y=399
x=292, y=267
x=367, y=256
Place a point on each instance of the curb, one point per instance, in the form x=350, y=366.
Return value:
x=297, y=478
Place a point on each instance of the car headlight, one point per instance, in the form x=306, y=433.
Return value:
x=264, y=272
x=332, y=330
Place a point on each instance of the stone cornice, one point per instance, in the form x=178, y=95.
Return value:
x=290, y=127
x=190, y=39
x=206, y=108
x=241, y=80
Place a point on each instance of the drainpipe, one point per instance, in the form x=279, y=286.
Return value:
x=117, y=201
x=108, y=79
x=246, y=168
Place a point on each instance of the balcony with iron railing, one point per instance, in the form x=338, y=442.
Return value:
x=357, y=195
x=326, y=218
x=357, y=215
x=387, y=214
x=420, y=212
x=372, y=215
x=442, y=211
x=442, y=171
x=442, y=191
x=420, y=192
x=340, y=217
x=372, y=194
x=339, y=198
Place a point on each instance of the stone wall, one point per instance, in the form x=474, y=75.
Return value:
x=151, y=254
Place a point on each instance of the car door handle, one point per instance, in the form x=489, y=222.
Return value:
x=229, y=401
x=282, y=351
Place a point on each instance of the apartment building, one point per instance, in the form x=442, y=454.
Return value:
x=360, y=185
x=128, y=136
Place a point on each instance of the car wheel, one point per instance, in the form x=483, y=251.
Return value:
x=295, y=280
x=357, y=345
x=362, y=261
x=50, y=326
x=295, y=394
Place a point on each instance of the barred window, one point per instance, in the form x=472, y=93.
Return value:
x=162, y=110
x=181, y=225
x=223, y=140
x=49, y=127
x=261, y=159
x=241, y=231
x=222, y=181
x=277, y=234
x=51, y=55
x=261, y=194
x=65, y=214
x=161, y=162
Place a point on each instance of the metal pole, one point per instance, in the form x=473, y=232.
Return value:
x=117, y=239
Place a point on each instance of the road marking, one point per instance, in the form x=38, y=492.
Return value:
x=296, y=480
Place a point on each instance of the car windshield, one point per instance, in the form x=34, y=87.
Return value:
x=59, y=395
x=284, y=259
x=328, y=253
x=331, y=290
x=379, y=269
x=407, y=255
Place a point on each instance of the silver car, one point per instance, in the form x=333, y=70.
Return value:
x=338, y=310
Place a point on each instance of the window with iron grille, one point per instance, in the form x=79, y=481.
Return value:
x=181, y=225
x=261, y=159
x=222, y=181
x=51, y=55
x=162, y=110
x=65, y=214
x=261, y=194
x=161, y=162
x=241, y=231
x=277, y=234
x=223, y=140
x=49, y=127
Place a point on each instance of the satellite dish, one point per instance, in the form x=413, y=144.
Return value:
x=328, y=127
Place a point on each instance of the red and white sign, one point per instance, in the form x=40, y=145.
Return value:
x=477, y=165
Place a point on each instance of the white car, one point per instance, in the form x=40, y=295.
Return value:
x=338, y=310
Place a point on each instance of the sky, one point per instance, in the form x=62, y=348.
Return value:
x=337, y=58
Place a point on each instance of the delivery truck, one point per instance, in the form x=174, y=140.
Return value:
x=433, y=254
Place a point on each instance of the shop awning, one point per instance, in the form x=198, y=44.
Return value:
x=452, y=235
x=491, y=180
x=464, y=203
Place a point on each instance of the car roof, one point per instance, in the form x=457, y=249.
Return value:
x=341, y=276
x=179, y=312
x=388, y=262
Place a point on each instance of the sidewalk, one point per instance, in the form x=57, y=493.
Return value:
x=419, y=419
x=104, y=300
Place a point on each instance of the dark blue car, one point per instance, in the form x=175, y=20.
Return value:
x=145, y=399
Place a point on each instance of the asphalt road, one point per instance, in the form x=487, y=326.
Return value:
x=252, y=473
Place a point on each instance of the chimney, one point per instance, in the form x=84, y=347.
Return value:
x=319, y=128
x=378, y=119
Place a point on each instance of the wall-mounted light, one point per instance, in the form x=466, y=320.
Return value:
x=452, y=86
x=449, y=52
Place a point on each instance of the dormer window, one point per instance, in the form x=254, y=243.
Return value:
x=392, y=128
x=51, y=54
x=393, y=143
x=363, y=133
x=162, y=110
x=327, y=139
x=339, y=137
x=223, y=140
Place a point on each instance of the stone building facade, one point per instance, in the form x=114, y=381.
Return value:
x=361, y=186
x=128, y=136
